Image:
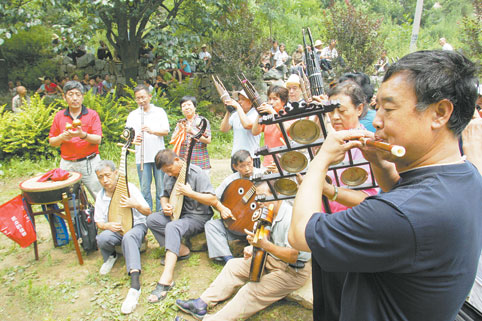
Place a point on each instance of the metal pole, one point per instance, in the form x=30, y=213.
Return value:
x=416, y=26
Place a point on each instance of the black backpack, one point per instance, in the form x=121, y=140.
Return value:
x=87, y=229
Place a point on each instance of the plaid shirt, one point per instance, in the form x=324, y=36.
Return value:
x=200, y=156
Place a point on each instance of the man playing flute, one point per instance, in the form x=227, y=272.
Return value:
x=150, y=124
x=411, y=252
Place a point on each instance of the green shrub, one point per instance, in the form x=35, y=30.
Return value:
x=26, y=134
x=112, y=112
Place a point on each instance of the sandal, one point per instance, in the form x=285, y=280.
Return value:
x=179, y=258
x=160, y=288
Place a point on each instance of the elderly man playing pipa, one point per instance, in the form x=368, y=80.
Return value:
x=114, y=234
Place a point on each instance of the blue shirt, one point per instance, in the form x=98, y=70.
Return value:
x=411, y=253
x=368, y=120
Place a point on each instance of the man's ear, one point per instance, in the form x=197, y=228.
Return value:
x=442, y=111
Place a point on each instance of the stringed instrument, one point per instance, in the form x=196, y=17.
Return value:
x=123, y=215
x=262, y=229
x=239, y=196
x=175, y=199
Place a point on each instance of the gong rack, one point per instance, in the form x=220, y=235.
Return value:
x=301, y=111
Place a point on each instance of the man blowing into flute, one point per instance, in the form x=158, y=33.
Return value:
x=411, y=252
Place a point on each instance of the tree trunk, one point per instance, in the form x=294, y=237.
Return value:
x=129, y=53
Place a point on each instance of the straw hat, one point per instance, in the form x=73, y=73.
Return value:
x=318, y=43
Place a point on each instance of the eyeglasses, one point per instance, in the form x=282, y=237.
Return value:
x=142, y=98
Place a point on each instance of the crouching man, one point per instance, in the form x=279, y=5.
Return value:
x=110, y=237
x=286, y=270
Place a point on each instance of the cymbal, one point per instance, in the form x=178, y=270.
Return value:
x=304, y=131
x=293, y=161
x=286, y=186
x=354, y=176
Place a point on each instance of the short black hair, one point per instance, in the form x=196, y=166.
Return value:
x=164, y=157
x=438, y=75
x=240, y=156
x=361, y=79
x=188, y=98
x=279, y=91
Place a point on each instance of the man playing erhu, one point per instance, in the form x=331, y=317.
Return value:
x=110, y=237
x=286, y=270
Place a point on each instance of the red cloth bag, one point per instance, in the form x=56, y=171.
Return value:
x=15, y=223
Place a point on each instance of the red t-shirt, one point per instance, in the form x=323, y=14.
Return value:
x=51, y=88
x=77, y=148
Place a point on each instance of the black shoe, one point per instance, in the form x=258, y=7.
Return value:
x=189, y=307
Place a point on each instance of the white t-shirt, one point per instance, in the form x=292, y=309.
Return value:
x=243, y=138
x=204, y=54
x=330, y=53
x=447, y=46
x=102, y=206
x=155, y=119
x=280, y=58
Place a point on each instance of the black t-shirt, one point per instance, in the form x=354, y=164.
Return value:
x=411, y=253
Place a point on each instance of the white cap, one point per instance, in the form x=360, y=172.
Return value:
x=293, y=79
x=243, y=93
x=318, y=43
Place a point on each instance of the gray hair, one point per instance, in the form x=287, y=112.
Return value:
x=69, y=85
x=103, y=164
x=141, y=87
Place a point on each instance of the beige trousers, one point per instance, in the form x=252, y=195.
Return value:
x=278, y=281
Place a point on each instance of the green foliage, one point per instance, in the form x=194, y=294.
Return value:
x=28, y=55
x=472, y=33
x=112, y=113
x=357, y=34
x=238, y=47
x=26, y=134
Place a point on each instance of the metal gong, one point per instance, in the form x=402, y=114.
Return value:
x=304, y=131
x=286, y=186
x=354, y=176
x=293, y=161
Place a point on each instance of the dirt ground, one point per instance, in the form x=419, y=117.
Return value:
x=57, y=288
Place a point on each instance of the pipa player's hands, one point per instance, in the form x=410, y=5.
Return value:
x=184, y=189
x=128, y=202
x=167, y=209
x=113, y=226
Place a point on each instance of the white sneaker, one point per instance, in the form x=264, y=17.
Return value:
x=130, y=302
x=107, y=266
